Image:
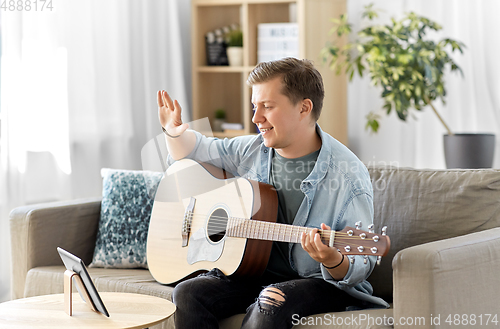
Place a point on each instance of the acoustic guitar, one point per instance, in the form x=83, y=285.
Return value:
x=203, y=219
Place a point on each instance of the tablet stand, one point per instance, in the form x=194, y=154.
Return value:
x=68, y=292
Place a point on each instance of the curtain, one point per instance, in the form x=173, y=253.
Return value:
x=78, y=93
x=472, y=101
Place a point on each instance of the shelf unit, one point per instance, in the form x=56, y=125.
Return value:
x=225, y=86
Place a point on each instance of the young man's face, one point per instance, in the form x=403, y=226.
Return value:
x=275, y=115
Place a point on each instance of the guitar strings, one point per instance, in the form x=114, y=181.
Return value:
x=286, y=229
x=223, y=221
x=221, y=224
x=289, y=234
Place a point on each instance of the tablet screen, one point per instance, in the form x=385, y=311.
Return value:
x=75, y=264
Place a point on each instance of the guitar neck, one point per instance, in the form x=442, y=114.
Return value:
x=350, y=241
x=260, y=230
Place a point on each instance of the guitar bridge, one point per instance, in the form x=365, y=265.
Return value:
x=186, y=223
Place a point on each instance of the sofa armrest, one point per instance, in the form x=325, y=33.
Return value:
x=37, y=230
x=448, y=277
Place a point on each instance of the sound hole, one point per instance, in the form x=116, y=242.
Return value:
x=217, y=224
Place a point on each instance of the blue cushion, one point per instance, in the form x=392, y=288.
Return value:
x=127, y=201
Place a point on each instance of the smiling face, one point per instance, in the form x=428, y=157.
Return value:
x=282, y=124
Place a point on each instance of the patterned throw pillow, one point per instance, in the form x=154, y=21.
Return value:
x=127, y=201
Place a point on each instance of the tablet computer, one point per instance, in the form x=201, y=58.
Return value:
x=75, y=264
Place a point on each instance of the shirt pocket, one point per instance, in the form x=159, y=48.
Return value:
x=248, y=173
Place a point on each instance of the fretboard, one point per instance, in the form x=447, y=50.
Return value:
x=260, y=230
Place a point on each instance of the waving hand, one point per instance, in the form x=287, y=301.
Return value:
x=169, y=114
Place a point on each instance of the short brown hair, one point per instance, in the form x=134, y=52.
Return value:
x=300, y=78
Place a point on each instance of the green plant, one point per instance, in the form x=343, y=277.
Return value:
x=400, y=58
x=220, y=114
x=235, y=38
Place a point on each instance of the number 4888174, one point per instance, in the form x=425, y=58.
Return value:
x=26, y=5
x=471, y=319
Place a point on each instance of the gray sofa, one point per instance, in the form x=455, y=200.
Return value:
x=442, y=268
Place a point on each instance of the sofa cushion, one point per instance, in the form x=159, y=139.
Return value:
x=45, y=280
x=127, y=202
x=420, y=206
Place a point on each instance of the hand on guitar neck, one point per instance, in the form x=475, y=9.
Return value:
x=320, y=252
x=180, y=142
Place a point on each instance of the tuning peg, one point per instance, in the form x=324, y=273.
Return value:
x=365, y=260
x=379, y=260
x=358, y=225
x=370, y=228
x=384, y=230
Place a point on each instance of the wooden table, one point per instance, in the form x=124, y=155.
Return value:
x=125, y=311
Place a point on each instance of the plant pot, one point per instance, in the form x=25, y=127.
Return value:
x=235, y=56
x=469, y=151
x=218, y=124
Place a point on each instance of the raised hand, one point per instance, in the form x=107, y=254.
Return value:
x=169, y=114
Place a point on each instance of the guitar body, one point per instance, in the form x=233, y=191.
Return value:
x=187, y=232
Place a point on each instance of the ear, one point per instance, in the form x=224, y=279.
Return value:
x=306, y=109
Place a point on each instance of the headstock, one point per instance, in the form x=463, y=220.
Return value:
x=354, y=241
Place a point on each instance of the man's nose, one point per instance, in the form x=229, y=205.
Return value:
x=257, y=116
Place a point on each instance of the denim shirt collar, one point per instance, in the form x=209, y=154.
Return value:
x=308, y=186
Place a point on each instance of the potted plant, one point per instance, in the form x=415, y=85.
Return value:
x=220, y=118
x=235, y=47
x=409, y=67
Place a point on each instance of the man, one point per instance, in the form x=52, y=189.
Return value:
x=320, y=184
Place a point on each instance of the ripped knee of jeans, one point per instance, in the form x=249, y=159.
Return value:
x=270, y=300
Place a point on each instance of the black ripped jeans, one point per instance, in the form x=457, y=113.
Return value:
x=204, y=300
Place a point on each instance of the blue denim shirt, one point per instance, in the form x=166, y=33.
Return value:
x=338, y=192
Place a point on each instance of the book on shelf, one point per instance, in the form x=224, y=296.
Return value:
x=277, y=40
x=231, y=126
